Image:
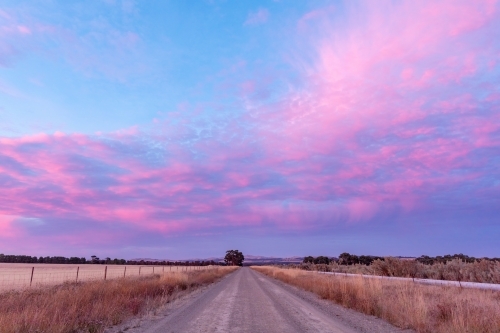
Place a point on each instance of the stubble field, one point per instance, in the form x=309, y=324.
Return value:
x=18, y=276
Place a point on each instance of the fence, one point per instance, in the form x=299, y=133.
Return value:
x=475, y=285
x=16, y=276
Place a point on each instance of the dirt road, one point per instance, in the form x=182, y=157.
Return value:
x=247, y=301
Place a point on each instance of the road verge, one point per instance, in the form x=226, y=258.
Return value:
x=424, y=308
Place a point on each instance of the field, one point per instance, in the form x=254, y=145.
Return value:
x=94, y=305
x=426, y=309
x=16, y=276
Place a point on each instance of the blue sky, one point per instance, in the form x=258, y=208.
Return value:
x=105, y=66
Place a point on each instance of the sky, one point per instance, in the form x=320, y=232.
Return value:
x=182, y=129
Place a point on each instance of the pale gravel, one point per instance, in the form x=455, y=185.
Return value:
x=249, y=302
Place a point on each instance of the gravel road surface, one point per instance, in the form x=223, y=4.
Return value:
x=248, y=301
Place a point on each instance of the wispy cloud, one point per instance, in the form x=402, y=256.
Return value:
x=258, y=17
x=100, y=49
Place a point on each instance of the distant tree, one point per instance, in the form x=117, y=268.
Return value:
x=234, y=258
x=308, y=260
x=348, y=259
x=426, y=260
x=321, y=260
x=352, y=259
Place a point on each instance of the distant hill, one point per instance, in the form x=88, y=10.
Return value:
x=261, y=260
x=249, y=260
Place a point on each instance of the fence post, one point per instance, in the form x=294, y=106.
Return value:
x=124, y=271
x=77, y=271
x=105, y=272
x=140, y=270
x=32, y=271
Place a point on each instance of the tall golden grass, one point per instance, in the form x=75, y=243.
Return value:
x=93, y=306
x=426, y=309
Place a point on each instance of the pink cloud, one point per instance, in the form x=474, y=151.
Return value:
x=389, y=119
x=24, y=30
x=361, y=210
x=7, y=230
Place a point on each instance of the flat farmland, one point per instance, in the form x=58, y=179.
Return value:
x=18, y=276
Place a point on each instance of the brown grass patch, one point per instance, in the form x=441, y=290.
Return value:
x=92, y=306
x=426, y=309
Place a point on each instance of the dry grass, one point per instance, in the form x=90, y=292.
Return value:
x=483, y=271
x=426, y=309
x=92, y=306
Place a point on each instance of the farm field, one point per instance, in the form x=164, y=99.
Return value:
x=94, y=305
x=16, y=276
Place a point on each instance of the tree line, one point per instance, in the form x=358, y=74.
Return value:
x=6, y=258
x=352, y=259
x=175, y=263
x=23, y=259
x=426, y=260
x=343, y=259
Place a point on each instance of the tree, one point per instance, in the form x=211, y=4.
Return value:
x=322, y=260
x=308, y=260
x=348, y=259
x=234, y=258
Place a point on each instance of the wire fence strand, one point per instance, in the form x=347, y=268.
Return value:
x=20, y=276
